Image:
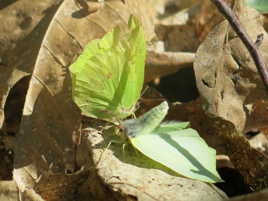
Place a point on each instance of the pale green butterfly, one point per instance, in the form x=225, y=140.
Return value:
x=107, y=78
x=260, y=5
x=172, y=144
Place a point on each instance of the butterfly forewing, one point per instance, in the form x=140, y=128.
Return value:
x=108, y=76
x=131, y=84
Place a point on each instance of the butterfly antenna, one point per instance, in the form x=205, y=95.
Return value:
x=105, y=149
x=134, y=116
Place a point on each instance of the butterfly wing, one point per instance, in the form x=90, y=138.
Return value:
x=172, y=126
x=183, y=151
x=147, y=122
x=131, y=82
x=107, y=77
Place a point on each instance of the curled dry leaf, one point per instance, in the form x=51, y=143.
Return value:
x=45, y=147
x=23, y=26
x=207, y=17
x=229, y=84
x=226, y=75
x=187, y=28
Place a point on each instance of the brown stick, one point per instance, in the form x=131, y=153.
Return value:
x=250, y=45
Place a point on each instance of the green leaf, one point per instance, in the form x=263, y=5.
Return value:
x=172, y=144
x=260, y=5
x=107, y=78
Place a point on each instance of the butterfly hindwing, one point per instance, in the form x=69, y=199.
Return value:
x=183, y=151
x=172, y=144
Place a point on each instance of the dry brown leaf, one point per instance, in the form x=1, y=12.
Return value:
x=23, y=25
x=45, y=144
x=226, y=75
x=207, y=17
x=8, y=191
x=258, y=196
x=230, y=86
x=187, y=28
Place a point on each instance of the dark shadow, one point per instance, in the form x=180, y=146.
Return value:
x=180, y=86
x=170, y=9
x=14, y=105
x=252, y=133
x=6, y=164
x=6, y=3
x=234, y=184
x=53, y=8
x=81, y=13
x=83, y=9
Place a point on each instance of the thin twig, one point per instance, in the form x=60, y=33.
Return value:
x=169, y=58
x=250, y=45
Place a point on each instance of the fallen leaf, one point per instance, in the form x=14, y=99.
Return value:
x=226, y=76
x=50, y=124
